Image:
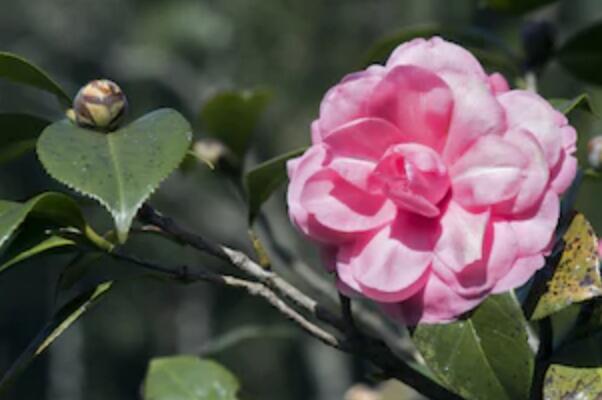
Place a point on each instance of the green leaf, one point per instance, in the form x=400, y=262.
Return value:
x=232, y=117
x=516, y=6
x=576, y=278
x=120, y=169
x=264, y=179
x=566, y=106
x=188, y=378
x=565, y=382
x=54, y=207
x=581, y=55
x=61, y=321
x=19, y=70
x=486, y=356
x=488, y=49
x=33, y=239
x=18, y=134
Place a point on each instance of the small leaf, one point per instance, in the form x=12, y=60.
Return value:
x=566, y=106
x=33, y=239
x=61, y=321
x=581, y=56
x=516, y=6
x=473, y=358
x=188, y=378
x=488, y=49
x=564, y=382
x=55, y=207
x=120, y=169
x=18, y=134
x=232, y=117
x=576, y=278
x=19, y=70
x=263, y=179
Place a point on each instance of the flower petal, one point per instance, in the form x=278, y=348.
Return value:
x=415, y=100
x=535, y=228
x=364, y=138
x=529, y=111
x=392, y=265
x=463, y=233
x=489, y=172
x=522, y=270
x=340, y=206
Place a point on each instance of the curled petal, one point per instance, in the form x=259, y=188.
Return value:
x=535, y=228
x=522, y=270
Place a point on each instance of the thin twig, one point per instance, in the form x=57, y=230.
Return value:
x=253, y=288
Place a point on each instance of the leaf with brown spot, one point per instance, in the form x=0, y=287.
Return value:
x=577, y=275
x=564, y=382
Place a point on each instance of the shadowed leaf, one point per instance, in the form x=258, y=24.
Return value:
x=61, y=321
x=566, y=106
x=18, y=134
x=581, y=55
x=516, y=6
x=120, y=169
x=188, y=378
x=264, y=179
x=19, y=70
x=472, y=356
x=576, y=278
x=232, y=117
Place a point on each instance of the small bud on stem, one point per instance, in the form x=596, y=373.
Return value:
x=101, y=104
x=594, y=153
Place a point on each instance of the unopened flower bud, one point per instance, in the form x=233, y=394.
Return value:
x=362, y=392
x=594, y=152
x=100, y=104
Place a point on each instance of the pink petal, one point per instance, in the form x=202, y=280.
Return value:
x=357, y=172
x=344, y=102
x=435, y=303
x=476, y=113
x=536, y=172
x=391, y=266
x=415, y=100
x=478, y=279
x=535, y=228
x=338, y=205
x=522, y=270
x=462, y=237
x=498, y=83
x=489, y=172
x=564, y=173
x=529, y=111
x=437, y=55
x=364, y=138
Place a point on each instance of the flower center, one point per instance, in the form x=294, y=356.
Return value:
x=413, y=176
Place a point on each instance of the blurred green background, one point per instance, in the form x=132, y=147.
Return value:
x=177, y=54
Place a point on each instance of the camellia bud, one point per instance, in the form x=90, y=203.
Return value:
x=100, y=104
x=594, y=152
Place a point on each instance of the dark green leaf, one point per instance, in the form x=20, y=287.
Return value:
x=232, y=117
x=516, y=6
x=61, y=321
x=484, y=357
x=78, y=268
x=566, y=106
x=18, y=134
x=120, y=169
x=34, y=238
x=19, y=70
x=569, y=383
x=489, y=50
x=54, y=207
x=576, y=278
x=263, y=179
x=188, y=378
x=581, y=55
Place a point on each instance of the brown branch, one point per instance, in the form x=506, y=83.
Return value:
x=367, y=347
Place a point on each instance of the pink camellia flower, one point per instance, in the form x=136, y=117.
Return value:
x=430, y=184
